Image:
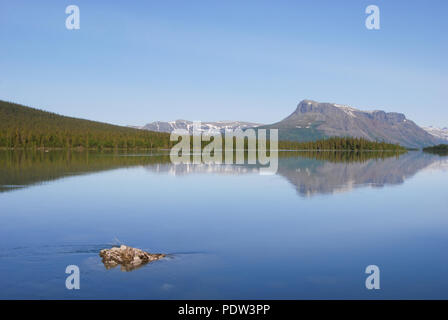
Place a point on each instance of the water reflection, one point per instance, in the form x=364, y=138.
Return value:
x=310, y=173
x=20, y=169
x=312, y=177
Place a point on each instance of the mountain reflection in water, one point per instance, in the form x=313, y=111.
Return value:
x=310, y=173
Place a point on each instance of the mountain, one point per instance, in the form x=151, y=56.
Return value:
x=441, y=133
x=220, y=126
x=22, y=126
x=313, y=120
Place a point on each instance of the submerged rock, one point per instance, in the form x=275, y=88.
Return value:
x=129, y=258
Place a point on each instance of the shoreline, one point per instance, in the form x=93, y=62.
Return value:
x=77, y=149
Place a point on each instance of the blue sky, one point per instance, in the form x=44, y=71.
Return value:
x=133, y=62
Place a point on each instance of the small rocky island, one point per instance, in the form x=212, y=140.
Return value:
x=127, y=257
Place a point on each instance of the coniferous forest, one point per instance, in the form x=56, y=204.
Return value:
x=340, y=143
x=441, y=149
x=23, y=127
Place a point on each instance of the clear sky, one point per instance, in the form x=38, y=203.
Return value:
x=133, y=62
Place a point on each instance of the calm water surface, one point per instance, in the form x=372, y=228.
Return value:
x=307, y=232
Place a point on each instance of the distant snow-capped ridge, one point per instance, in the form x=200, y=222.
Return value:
x=314, y=120
x=216, y=126
x=441, y=133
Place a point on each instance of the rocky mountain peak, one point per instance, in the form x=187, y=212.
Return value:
x=312, y=120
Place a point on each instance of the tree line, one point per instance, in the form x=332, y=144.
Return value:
x=440, y=149
x=29, y=128
x=341, y=143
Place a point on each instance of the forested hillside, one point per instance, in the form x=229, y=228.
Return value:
x=24, y=127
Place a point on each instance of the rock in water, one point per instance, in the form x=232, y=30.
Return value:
x=129, y=258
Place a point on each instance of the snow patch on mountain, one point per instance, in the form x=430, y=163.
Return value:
x=206, y=127
x=441, y=133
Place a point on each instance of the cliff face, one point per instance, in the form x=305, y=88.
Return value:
x=314, y=119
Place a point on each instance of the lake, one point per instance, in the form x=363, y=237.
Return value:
x=307, y=232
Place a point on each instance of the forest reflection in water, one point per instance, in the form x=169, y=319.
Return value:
x=310, y=172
